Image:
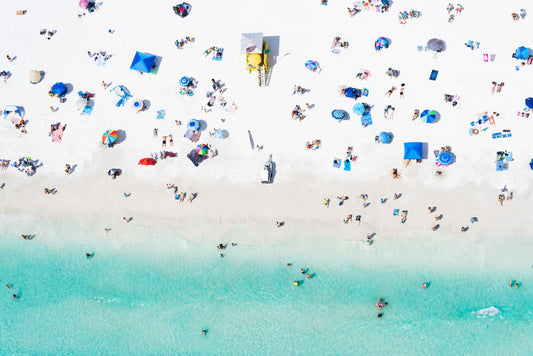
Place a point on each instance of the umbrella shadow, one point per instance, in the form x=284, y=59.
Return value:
x=437, y=116
x=157, y=63
x=146, y=104
x=274, y=170
x=121, y=137
x=203, y=125
x=69, y=88
x=425, y=150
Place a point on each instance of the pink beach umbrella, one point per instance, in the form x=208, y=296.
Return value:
x=84, y=3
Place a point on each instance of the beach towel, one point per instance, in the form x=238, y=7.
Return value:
x=57, y=135
x=188, y=134
x=160, y=114
x=336, y=163
x=433, y=75
x=366, y=119
x=196, y=136
x=347, y=165
x=485, y=57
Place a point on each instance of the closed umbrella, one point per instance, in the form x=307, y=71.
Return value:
x=428, y=116
x=35, y=76
x=147, y=162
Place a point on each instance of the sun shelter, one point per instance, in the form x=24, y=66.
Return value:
x=193, y=125
x=311, y=65
x=531, y=164
x=412, y=150
x=529, y=103
x=182, y=10
x=384, y=137
x=147, y=162
x=338, y=114
x=381, y=43
x=59, y=89
x=436, y=45
x=444, y=158
x=35, y=76
x=428, y=116
x=359, y=109
x=109, y=137
x=14, y=113
x=522, y=53
x=143, y=62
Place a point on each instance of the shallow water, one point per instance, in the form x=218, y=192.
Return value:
x=154, y=294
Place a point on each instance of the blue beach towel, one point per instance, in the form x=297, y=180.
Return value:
x=433, y=75
x=160, y=114
x=347, y=165
x=366, y=120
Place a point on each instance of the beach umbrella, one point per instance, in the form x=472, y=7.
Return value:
x=384, y=137
x=59, y=88
x=193, y=125
x=83, y=3
x=202, y=149
x=445, y=158
x=338, y=114
x=219, y=134
x=147, y=162
x=381, y=43
x=311, y=65
x=531, y=164
x=413, y=150
x=436, y=45
x=428, y=116
x=109, y=136
x=359, y=109
x=350, y=92
x=522, y=52
x=529, y=103
x=184, y=81
x=35, y=76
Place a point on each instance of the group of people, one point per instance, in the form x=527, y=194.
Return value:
x=47, y=33
x=497, y=87
x=458, y=9
x=405, y=15
x=299, y=90
x=183, y=42
x=298, y=113
x=313, y=145
x=4, y=164
x=181, y=195
x=26, y=165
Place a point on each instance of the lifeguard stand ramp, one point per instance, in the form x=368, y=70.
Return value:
x=256, y=50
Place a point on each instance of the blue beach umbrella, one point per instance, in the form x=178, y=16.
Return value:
x=359, y=109
x=445, y=158
x=531, y=164
x=59, y=88
x=338, y=114
x=193, y=125
x=143, y=62
x=384, y=137
x=184, y=81
x=428, y=116
x=381, y=43
x=529, y=103
x=522, y=52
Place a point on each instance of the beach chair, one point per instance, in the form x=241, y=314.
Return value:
x=395, y=212
x=434, y=74
x=87, y=110
x=336, y=163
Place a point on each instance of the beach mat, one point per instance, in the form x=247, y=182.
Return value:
x=433, y=75
x=196, y=158
x=57, y=135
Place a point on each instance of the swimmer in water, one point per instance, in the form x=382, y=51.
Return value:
x=89, y=255
x=296, y=283
x=204, y=332
x=380, y=315
x=8, y=286
x=15, y=296
x=302, y=270
x=308, y=275
x=289, y=264
x=424, y=285
x=25, y=237
x=510, y=284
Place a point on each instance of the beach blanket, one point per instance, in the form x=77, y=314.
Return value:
x=366, y=119
x=57, y=135
x=196, y=158
x=196, y=136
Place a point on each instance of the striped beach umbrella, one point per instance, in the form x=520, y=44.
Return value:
x=338, y=114
x=428, y=116
x=184, y=81
x=109, y=136
x=202, y=149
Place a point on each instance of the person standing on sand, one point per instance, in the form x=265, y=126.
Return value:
x=501, y=198
x=104, y=85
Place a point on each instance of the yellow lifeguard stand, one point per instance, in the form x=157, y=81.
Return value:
x=256, y=50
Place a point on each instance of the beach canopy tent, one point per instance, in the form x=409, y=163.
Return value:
x=384, y=137
x=412, y=150
x=436, y=45
x=428, y=116
x=252, y=42
x=193, y=125
x=529, y=103
x=58, y=89
x=14, y=113
x=381, y=43
x=445, y=158
x=143, y=62
x=182, y=10
x=523, y=53
x=338, y=114
x=147, y=162
x=109, y=137
x=35, y=76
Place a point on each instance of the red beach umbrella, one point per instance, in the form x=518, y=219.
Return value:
x=147, y=162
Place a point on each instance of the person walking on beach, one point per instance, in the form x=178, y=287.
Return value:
x=164, y=143
x=401, y=90
x=155, y=132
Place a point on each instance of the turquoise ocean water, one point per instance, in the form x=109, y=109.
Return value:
x=152, y=295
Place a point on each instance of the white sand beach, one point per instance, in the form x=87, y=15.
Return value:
x=228, y=185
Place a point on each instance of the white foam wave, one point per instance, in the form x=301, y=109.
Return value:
x=488, y=312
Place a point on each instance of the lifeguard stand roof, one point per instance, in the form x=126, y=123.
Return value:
x=252, y=42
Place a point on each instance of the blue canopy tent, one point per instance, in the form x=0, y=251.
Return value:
x=529, y=103
x=143, y=62
x=384, y=137
x=412, y=150
x=522, y=53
